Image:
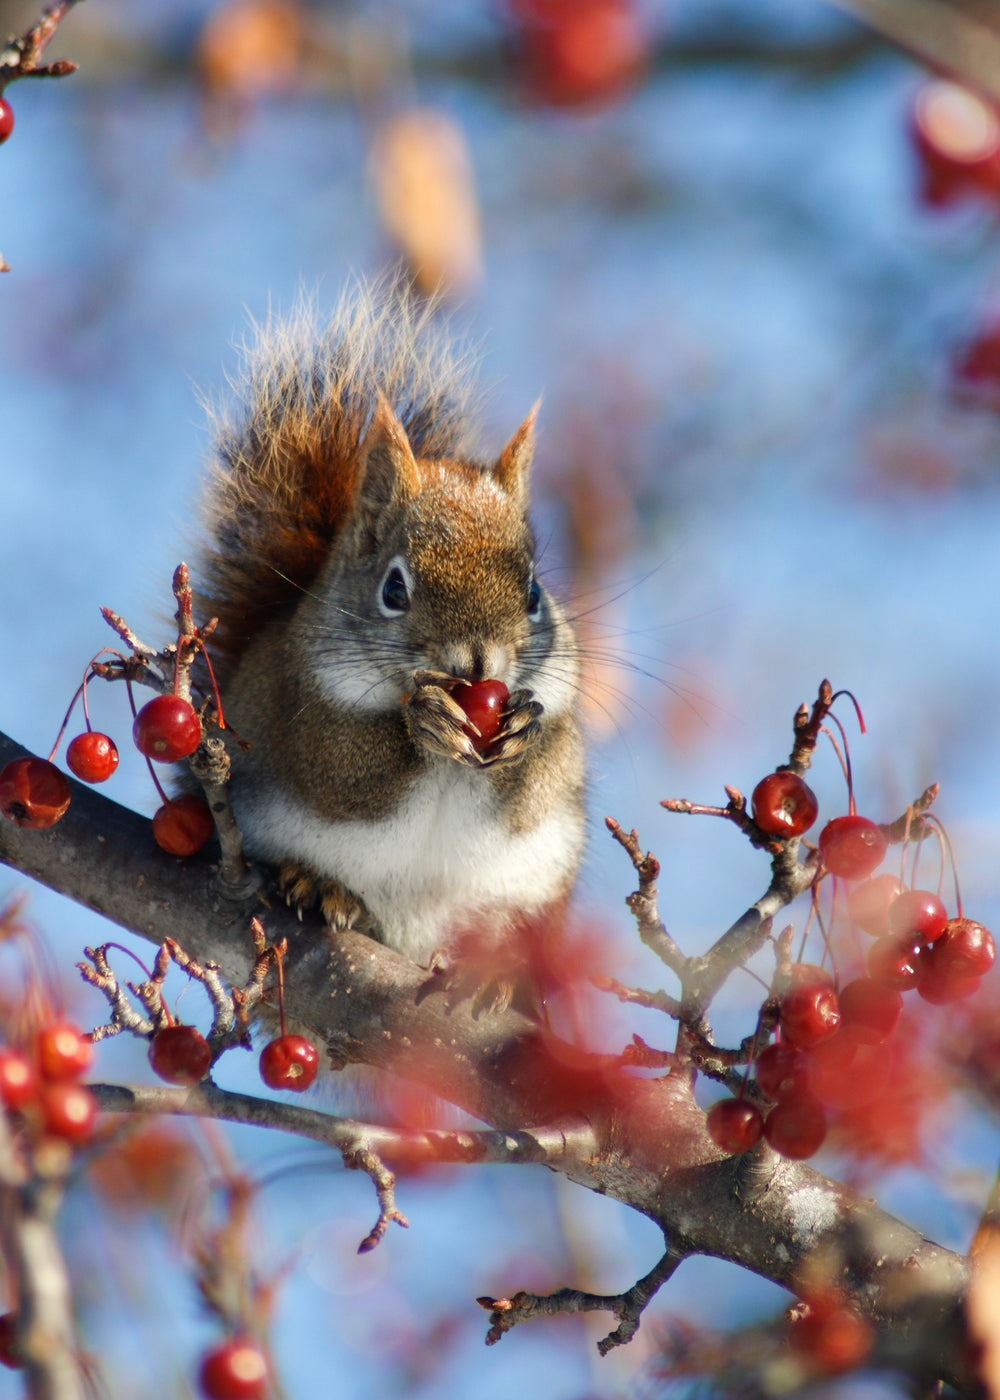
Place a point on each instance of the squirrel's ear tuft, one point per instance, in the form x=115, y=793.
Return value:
x=511, y=470
x=387, y=471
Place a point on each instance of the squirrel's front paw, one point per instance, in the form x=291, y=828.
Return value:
x=520, y=726
x=303, y=888
x=439, y=724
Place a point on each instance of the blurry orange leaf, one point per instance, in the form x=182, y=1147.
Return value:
x=423, y=182
x=250, y=47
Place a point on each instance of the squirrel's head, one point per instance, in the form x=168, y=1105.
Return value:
x=435, y=568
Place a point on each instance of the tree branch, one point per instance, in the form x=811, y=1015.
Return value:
x=641, y=1141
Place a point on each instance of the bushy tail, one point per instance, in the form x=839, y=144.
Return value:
x=285, y=457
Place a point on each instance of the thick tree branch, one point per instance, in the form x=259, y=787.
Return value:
x=641, y=1141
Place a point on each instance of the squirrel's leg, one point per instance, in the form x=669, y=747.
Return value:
x=302, y=888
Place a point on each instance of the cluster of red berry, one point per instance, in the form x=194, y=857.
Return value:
x=39, y=1083
x=35, y=793
x=41, y=1094
x=810, y=1069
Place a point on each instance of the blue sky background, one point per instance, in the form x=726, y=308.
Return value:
x=734, y=266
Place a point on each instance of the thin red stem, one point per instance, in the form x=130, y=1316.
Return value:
x=857, y=707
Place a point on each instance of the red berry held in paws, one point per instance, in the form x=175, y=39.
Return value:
x=167, y=728
x=92, y=757
x=783, y=805
x=483, y=702
x=33, y=792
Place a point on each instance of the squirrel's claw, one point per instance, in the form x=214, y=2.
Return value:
x=303, y=888
x=520, y=726
x=437, y=723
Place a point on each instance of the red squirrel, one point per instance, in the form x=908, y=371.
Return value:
x=362, y=561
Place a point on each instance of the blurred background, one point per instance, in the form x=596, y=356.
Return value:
x=750, y=261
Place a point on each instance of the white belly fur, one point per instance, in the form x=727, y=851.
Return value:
x=439, y=864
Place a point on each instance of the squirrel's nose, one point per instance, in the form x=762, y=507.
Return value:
x=476, y=661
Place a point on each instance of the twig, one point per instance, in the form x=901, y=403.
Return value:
x=427, y=1146
x=506, y=1313
x=210, y=765
x=643, y=902
x=19, y=59
x=635, y=996
x=363, y=1159
x=940, y=34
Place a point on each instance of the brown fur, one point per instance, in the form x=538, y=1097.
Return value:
x=287, y=459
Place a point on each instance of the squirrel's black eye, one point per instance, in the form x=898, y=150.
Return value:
x=534, y=600
x=395, y=595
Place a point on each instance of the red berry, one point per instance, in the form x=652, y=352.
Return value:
x=869, y=1010
x=180, y=1054
x=868, y=903
x=808, y=1014
x=941, y=990
x=919, y=912
x=183, y=825
x=6, y=119
x=965, y=949
x=579, y=52
x=10, y=1351
x=290, y=1062
x=62, y=1052
x=234, y=1370
x=957, y=137
x=483, y=702
x=69, y=1110
x=92, y=757
x=796, y=1127
x=845, y=1074
x=33, y=792
x=852, y=847
x=895, y=960
x=17, y=1079
x=808, y=975
x=783, y=805
x=734, y=1125
x=832, y=1335
x=167, y=729
x=781, y=1071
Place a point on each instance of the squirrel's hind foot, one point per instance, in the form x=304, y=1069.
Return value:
x=303, y=888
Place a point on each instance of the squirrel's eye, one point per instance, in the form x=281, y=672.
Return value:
x=394, y=597
x=534, y=600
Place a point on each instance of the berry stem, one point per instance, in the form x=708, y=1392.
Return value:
x=857, y=707
x=134, y=956
x=938, y=826
x=279, y=953
x=845, y=763
x=156, y=781
x=215, y=684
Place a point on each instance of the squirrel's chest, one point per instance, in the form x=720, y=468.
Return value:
x=445, y=857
